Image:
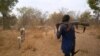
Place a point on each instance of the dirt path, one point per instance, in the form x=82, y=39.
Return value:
x=88, y=43
x=39, y=44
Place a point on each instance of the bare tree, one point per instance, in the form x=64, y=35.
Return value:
x=85, y=17
x=30, y=17
x=54, y=18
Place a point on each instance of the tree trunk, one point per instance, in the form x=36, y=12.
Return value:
x=5, y=21
x=97, y=13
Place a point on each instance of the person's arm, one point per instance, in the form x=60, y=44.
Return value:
x=62, y=29
x=59, y=31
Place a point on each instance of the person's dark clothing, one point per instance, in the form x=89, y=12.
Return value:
x=67, y=54
x=68, y=39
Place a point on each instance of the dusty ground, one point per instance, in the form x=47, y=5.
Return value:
x=44, y=43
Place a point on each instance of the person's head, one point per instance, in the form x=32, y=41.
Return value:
x=66, y=18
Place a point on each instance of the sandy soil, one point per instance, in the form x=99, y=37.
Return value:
x=45, y=43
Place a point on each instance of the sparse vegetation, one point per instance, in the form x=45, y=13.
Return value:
x=40, y=38
x=37, y=43
x=98, y=37
x=84, y=51
x=1, y=41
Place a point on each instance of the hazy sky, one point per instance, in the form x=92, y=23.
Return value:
x=54, y=5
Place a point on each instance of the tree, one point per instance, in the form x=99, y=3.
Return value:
x=85, y=17
x=42, y=20
x=55, y=18
x=0, y=21
x=13, y=20
x=95, y=5
x=30, y=17
x=6, y=7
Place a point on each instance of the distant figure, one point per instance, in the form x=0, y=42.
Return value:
x=22, y=33
x=19, y=41
x=84, y=28
x=68, y=36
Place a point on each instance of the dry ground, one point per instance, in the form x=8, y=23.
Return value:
x=39, y=42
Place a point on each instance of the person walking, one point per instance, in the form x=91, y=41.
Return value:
x=67, y=32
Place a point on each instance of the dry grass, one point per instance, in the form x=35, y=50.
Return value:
x=41, y=42
x=1, y=40
x=9, y=42
x=98, y=37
